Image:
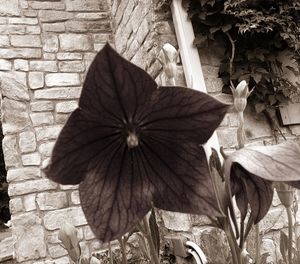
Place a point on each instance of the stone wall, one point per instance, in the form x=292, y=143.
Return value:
x=45, y=50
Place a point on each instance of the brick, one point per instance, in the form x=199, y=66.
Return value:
x=69, y=56
x=176, y=221
x=25, y=225
x=50, y=43
x=23, y=21
x=54, y=15
x=87, y=5
x=71, y=66
x=76, y=26
x=51, y=200
x=88, y=233
x=46, y=5
x=102, y=38
x=31, y=159
x=33, y=30
x=30, y=13
x=27, y=142
x=42, y=106
x=10, y=151
x=92, y=16
x=43, y=66
x=66, y=107
x=9, y=8
x=5, y=65
x=23, y=4
x=29, y=202
x=227, y=137
x=75, y=42
x=15, y=205
x=49, y=56
x=23, y=174
x=68, y=187
x=21, y=65
x=46, y=148
x=42, y=118
x=13, y=89
x=61, y=118
x=58, y=93
x=57, y=251
x=62, y=79
x=36, y=80
x=22, y=53
x=4, y=41
x=75, y=199
x=142, y=31
x=47, y=132
x=53, y=27
x=32, y=186
x=55, y=219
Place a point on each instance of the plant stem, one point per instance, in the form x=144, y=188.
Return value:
x=290, y=222
x=232, y=243
x=123, y=248
x=154, y=256
x=257, y=246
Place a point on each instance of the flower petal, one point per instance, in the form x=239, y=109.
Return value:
x=256, y=191
x=82, y=140
x=181, y=113
x=115, y=86
x=274, y=163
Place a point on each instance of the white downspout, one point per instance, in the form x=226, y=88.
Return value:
x=190, y=59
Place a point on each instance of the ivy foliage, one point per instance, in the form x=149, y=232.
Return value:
x=255, y=33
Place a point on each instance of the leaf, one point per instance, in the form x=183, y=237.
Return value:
x=226, y=27
x=143, y=246
x=274, y=163
x=154, y=230
x=131, y=146
x=284, y=241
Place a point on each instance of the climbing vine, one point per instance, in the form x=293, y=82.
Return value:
x=255, y=34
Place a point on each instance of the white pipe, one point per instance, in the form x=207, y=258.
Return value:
x=198, y=250
x=195, y=256
x=191, y=60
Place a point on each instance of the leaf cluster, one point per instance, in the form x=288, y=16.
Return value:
x=255, y=33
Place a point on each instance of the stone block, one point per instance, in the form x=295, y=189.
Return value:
x=14, y=90
x=31, y=159
x=10, y=151
x=30, y=13
x=9, y=8
x=57, y=251
x=15, y=205
x=68, y=187
x=27, y=142
x=22, y=53
x=47, y=132
x=36, y=80
x=51, y=200
x=4, y=41
x=45, y=118
x=50, y=43
x=75, y=26
x=69, y=56
x=42, y=106
x=143, y=31
x=21, y=65
x=92, y=16
x=5, y=65
x=49, y=56
x=88, y=233
x=25, y=225
x=227, y=137
x=102, y=38
x=61, y=118
x=212, y=82
x=22, y=174
x=87, y=5
x=75, y=199
x=43, y=66
x=275, y=219
x=13, y=120
x=46, y=5
x=176, y=221
x=55, y=219
x=58, y=93
x=54, y=16
x=35, y=30
x=31, y=186
x=46, y=148
x=71, y=66
x=17, y=77
x=29, y=202
x=23, y=21
x=66, y=107
x=62, y=79
x=53, y=27
x=75, y=42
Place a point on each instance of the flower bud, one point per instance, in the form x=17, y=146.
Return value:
x=285, y=194
x=169, y=54
x=240, y=94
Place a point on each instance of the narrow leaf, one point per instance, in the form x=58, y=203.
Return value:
x=154, y=230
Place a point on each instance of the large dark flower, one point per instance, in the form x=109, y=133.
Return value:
x=132, y=145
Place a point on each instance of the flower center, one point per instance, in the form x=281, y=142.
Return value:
x=132, y=140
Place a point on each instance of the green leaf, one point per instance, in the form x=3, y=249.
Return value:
x=154, y=230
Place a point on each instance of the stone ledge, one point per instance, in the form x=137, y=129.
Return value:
x=6, y=249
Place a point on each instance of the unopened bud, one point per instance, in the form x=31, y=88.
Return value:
x=240, y=95
x=285, y=194
x=169, y=54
